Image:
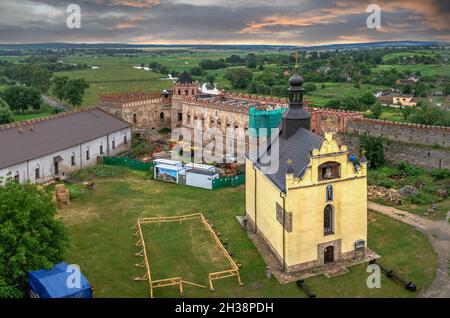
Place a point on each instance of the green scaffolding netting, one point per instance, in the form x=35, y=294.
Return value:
x=264, y=119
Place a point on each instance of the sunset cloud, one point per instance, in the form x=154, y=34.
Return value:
x=301, y=22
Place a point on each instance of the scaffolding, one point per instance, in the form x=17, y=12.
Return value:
x=267, y=118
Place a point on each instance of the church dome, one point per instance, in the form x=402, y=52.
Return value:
x=296, y=80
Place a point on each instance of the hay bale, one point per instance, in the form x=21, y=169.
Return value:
x=60, y=187
x=63, y=196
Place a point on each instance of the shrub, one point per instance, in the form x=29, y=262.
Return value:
x=101, y=171
x=440, y=174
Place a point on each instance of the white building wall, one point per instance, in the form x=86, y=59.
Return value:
x=45, y=164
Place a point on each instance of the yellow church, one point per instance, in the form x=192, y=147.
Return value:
x=312, y=211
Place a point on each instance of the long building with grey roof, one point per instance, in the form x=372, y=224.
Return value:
x=43, y=149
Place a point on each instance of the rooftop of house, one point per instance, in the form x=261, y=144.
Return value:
x=32, y=139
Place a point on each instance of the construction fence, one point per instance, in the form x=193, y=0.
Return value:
x=127, y=162
x=224, y=182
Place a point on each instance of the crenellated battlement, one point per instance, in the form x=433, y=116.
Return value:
x=129, y=96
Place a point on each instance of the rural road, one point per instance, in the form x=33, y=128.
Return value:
x=56, y=104
x=438, y=233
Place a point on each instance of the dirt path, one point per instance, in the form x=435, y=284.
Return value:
x=438, y=233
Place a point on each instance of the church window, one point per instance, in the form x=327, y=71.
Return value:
x=328, y=220
x=88, y=155
x=72, y=160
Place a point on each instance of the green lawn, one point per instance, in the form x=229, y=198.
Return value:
x=102, y=241
x=32, y=115
x=172, y=254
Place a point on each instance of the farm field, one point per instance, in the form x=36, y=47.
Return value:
x=424, y=69
x=100, y=223
x=322, y=95
x=116, y=73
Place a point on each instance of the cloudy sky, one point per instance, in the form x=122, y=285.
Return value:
x=298, y=22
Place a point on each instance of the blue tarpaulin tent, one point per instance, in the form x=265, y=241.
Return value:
x=53, y=283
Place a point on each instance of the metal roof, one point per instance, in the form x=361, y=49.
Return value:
x=31, y=140
x=297, y=150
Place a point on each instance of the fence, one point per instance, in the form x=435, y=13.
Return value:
x=224, y=182
x=127, y=162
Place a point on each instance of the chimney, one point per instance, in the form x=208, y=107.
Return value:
x=296, y=117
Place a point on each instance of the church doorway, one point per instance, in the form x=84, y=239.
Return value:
x=328, y=256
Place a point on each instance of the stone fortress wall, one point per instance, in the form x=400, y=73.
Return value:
x=423, y=145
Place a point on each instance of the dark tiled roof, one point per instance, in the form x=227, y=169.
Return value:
x=35, y=140
x=185, y=78
x=296, y=149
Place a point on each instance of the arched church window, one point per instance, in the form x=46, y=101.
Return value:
x=328, y=220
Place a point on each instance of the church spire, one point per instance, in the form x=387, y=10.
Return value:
x=296, y=116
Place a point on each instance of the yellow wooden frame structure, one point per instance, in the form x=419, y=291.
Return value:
x=234, y=271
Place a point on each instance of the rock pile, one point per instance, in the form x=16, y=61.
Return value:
x=407, y=190
x=390, y=195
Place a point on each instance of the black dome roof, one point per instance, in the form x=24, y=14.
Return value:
x=296, y=80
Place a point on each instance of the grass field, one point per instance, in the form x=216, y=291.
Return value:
x=116, y=73
x=100, y=224
x=184, y=250
x=424, y=69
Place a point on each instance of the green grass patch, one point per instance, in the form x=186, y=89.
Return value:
x=184, y=250
x=102, y=241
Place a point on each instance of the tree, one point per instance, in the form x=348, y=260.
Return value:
x=420, y=90
x=20, y=98
x=351, y=103
x=368, y=99
x=446, y=90
x=334, y=104
x=239, y=77
x=6, y=115
x=58, y=86
x=30, y=236
x=210, y=78
x=376, y=110
x=374, y=149
x=428, y=114
x=197, y=71
x=309, y=87
x=74, y=91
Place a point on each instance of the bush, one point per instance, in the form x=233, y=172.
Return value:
x=410, y=170
x=440, y=174
x=100, y=171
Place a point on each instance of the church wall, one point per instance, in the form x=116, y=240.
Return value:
x=306, y=200
x=268, y=195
